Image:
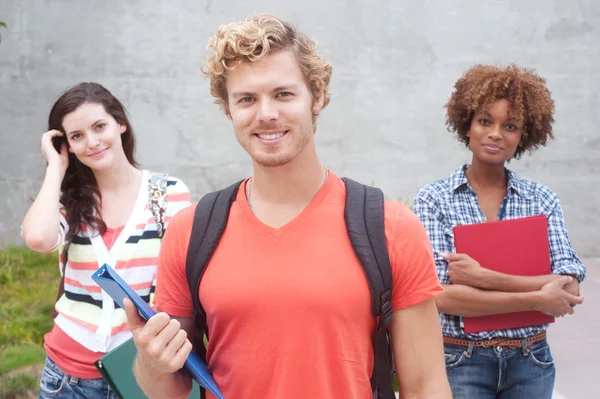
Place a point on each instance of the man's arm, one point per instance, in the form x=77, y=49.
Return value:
x=463, y=300
x=419, y=352
x=163, y=347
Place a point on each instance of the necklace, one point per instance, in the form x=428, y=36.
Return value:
x=250, y=189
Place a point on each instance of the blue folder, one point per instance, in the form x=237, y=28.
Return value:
x=118, y=289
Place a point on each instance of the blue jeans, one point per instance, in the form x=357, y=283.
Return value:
x=56, y=384
x=500, y=373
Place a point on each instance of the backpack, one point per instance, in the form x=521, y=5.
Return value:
x=364, y=216
x=157, y=200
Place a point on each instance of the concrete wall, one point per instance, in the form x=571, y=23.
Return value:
x=394, y=66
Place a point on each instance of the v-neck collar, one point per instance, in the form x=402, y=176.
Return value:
x=242, y=202
x=105, y=255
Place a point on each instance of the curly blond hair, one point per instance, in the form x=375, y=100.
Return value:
x=253, y=39
x=530, y=101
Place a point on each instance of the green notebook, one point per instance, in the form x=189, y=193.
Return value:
x=116, y=367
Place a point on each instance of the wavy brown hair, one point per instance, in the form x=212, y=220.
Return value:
x=80, y=194
x=529, y=98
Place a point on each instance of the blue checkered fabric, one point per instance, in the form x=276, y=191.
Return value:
x=450, y=202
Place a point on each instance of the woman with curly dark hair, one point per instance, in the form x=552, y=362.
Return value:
x=95, y=206
x=499, y=114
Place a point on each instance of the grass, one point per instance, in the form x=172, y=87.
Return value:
x=17, y=356
x=18, y=387
x=28, y=285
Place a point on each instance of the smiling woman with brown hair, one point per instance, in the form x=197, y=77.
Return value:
x=95, y=206
x=499, y=114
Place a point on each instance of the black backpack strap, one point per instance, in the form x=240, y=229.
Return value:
x=364, y=215
x=210, y=221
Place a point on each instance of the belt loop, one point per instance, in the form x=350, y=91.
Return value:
x=525, y=348
x=469, y=350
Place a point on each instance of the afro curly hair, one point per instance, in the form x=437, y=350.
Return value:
x=530, y=101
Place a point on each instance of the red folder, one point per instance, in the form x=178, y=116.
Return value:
x=517, y=247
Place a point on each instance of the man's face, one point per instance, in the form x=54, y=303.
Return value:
x=271, y=108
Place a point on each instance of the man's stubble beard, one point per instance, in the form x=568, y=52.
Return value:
x=287, y=156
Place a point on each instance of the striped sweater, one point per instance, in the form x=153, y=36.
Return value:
x=85, y=312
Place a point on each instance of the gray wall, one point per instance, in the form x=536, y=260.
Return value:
x=394, y=66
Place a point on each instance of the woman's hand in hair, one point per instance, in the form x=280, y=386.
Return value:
x=41, y=229
x=50, y=142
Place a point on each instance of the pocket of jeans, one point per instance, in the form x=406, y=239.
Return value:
x=541, y=355
x=454, y=358
x=51, y=383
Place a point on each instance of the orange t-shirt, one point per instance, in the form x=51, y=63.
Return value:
x=289, y=309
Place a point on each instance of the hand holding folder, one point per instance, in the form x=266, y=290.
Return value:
x=116, y=368
x=517, y=247
x=118, y=289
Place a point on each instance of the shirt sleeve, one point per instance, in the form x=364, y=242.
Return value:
x=562, y=256
x=172, y=292
x=411, y=258
x=178, y=198
x=442, y=241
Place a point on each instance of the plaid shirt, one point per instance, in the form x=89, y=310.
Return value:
x=451, y=201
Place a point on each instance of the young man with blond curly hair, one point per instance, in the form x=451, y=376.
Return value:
x=285, y=297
